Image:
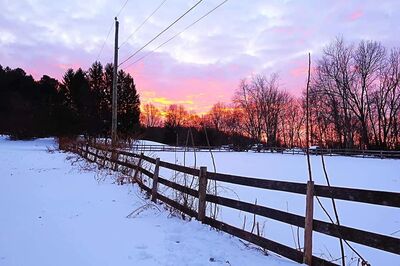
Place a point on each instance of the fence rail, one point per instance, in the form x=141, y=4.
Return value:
x=103, y=154
x=382, y=154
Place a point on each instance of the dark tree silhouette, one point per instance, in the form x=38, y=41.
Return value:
x=128, y=104
x=80, y=104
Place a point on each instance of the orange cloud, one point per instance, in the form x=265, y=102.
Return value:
x=196, y=94
x=166, y=101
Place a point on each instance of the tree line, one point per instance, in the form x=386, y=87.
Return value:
x=79, y=104
x=354, y=103
x=356, y=95
x=177, y=126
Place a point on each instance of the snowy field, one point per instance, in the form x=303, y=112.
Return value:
x=363, y=173
x=55, y=213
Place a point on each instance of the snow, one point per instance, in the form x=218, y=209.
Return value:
x=363, y=173
x=55, y=213
x=313, y=147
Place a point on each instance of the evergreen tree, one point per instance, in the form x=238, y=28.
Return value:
x=80, y=104
x=128, y=104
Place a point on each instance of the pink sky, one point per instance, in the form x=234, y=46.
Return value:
x=205, y=64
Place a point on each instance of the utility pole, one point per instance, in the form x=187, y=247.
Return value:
x=114, y=121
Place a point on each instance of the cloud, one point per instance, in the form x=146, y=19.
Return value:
x=356, y=15
x=205, y=64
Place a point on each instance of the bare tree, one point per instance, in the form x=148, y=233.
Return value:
x=368, y=60
x=262, y=103
x=216, y=115
x=385, y=103
x=176, y=116
x=246, y=100
x=271, y=103
x=330, y=89
x=291, y=121
x=150, y=116
x=350, y=86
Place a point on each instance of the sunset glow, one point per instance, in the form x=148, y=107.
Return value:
x=205, y=64
x=195, y=110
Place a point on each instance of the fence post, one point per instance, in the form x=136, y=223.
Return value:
x=86, y=150
x=155, y=181
x=115, y=159
x=308, y=228
x=114, y=156
x=202, y=193
x=96, y=156
x=137, y=167
x=78, y=148
x=127, y=170
x=105, y=156
x=82, y=150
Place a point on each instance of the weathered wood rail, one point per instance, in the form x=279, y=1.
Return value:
x=101, y=154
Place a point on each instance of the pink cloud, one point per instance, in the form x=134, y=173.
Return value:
x=196, y=87
x=280, y=44
x=356, y=15
x=299, y=71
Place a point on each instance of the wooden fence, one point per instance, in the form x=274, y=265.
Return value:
x=381, y=154
x=103, y=154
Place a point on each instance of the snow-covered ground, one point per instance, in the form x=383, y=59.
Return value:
x=363, y=173
x=55, y=213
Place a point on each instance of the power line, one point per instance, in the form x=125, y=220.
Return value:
x=123, y=6
x=176, y=35
x=140, y=26
x=104, y=43
x=173, y=23
x=109, y=31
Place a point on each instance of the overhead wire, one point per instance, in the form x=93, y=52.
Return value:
x=122, y=8
x=109, y=31
x=158, y=35
x=104, y=43
x=176, y=35
x=141, y=25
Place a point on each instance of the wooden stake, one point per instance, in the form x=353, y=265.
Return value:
x=155, y=181
x=202, y=193
x=115, y=159
x=86, y=151
x=135, y=176
x=96, y=156
x=308, y=228
x=105, y=154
